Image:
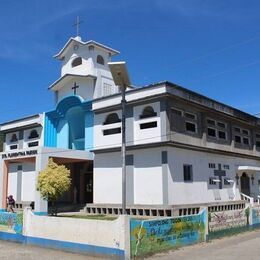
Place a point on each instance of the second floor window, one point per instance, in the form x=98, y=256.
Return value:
x=148, y=112
x=184, y=121
x=33, y=134
x=216, y=129
x=191, y=127
x=14, y=138
x=257, y=140
x=112, y=119
x=241, y=136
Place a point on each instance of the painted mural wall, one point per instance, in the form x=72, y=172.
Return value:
x=256, y=216
x=151, y=236
x=11, y=222
x=228, y=219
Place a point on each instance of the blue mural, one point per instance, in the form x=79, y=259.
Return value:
x=151, y=236
x=256, y=216
x=11, y=222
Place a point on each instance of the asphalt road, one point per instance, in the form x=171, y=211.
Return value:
x=243, y=246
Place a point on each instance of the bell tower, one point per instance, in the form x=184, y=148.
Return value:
x=84, y=70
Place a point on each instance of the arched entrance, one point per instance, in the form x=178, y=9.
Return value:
x=245, y=184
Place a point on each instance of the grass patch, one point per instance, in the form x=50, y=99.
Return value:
x=96, y=217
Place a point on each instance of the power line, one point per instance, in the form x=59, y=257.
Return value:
x=218, y=51
x=229, y=70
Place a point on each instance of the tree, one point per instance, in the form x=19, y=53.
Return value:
x=53, y=181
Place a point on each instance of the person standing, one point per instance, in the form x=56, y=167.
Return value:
x=10, y=203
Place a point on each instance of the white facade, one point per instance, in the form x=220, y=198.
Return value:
x=101, y=140
x=21, y=182
x=162, y=148
x=22, y=134
x=149, y=134
x=152, y=183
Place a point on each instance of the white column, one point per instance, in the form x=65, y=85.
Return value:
x=41, y=205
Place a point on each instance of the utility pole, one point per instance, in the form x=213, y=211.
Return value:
x=121, y=79
x=123, y=103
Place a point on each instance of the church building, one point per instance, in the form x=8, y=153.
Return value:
x=181, y=147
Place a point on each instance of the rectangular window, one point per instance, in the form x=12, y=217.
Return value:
x=237, y=139
x=222, y=125
x=187, y=173
x=190, y=127
x=222, y=135
x=177, y=112
x=217, y=129
x=257, y=141
x=245, y=141
x=211, y=132
x=245, y=132
x=226, y=167
x=212, y=165
x=211, y=122
x=33, y=144
x=107, y=89
x=13, y=147
x=190, y=115
x=148, y=125
x=112, y=131
x=237, y=129
x=226, y=181
x=211, y=181
x=19, y=167
x=242, y=137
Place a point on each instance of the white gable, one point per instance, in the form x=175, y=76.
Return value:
x=86, y=64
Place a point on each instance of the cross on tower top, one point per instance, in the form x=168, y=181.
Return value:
x=77, y=24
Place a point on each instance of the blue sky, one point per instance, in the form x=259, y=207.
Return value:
x=209, y=46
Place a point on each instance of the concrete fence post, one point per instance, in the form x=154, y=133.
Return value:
x=26, y=219
x=207, y=225
x=127, y=237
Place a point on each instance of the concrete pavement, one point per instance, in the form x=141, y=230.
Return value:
x=15, y=251
x=242, y=246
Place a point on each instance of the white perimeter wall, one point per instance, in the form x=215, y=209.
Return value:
x=112, y=234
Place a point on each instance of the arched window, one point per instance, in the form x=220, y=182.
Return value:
x=111, y=119
x=148, y=112
x=14, y=138
x=33, y=134
x=76, y=62
x=100, y=60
